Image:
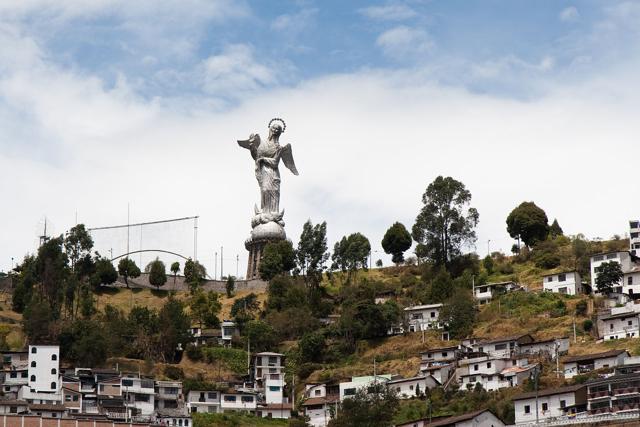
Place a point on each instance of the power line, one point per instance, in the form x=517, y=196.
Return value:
x=143, y=223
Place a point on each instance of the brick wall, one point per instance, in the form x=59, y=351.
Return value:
x=35, y=421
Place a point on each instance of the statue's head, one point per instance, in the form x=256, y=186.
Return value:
x=276, y=127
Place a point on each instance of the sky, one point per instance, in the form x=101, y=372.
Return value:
x=109, y=104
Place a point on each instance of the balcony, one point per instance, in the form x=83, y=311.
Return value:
x=599, y=394
x=626, y=407
x=626, y=390
x=583, y=369
x=598, y=411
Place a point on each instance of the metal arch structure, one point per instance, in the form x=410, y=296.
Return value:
x=150, y=250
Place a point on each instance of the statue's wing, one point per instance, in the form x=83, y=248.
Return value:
x=287, y=157
x=251, y=144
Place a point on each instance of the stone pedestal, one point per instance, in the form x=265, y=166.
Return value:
x=261, y=235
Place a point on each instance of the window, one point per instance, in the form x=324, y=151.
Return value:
x=13, y=375
x=229, y=398
x=472, y=379
x=67, y=398
x=444, y=354
x=562, y=277
x=562, y=290
x=33, y=378
x=274, y=388
x=433, y=314
x=481, y=349
x=633, y=224
x=13, y=409
x=349, y=391
x=629, y=323
x=488, y=364
x=54, y=357
x=611, y=326
x=501, y=347
x=141, y=397
x=490, y=378
x=33, y=363
x=127, y=383
x=318, y=392
x=248, y=399
x=212, y=395
x=34, y=350
x=23, y=374
x=527, y=409
x=7, y=388
x=612, y=256
x=563, y=404
x=475, y=367
x=53, y=371
x=630, y=280
x=410, y=387
x=545, y=406
x=75, y=397
x=273, y=359
x=598, y=258
x=186, y=423
x=53, y=385
x=550, y=279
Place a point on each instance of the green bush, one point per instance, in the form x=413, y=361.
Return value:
x=581, y=308
x=194, y=352
x=174, y=372
x=587, y=325
x=232, y=358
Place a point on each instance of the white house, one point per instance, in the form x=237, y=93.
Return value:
x=552, y=403
x=634, y=237
x=203, y=401
x=423, y=317
x=502, y=347
x=485, y=293
x=169, y=395
x=412, y=387
x=229, y=329
x=482, y=418
x=568, y=283
x=43, y=368
x=551, y=348
x=439, y=362
x=139, y=395
x=620, y=325
x=349, y=388
x=321, y=409
x=238, y=402
x=274, y=410
x=576, y=365
x=630, y=265
x=13, y=406
x=492, y=373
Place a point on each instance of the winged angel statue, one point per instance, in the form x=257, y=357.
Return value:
x=267, y=155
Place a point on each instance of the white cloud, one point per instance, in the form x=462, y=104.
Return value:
x=569, y=14
x=235, y=71
x=389, y=12
x=294, y=23
x=402, y=42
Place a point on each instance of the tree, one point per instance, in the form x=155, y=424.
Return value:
x=373, y=406
x=441, y=287
x=230, y=286
x=245, y=309
x=609, y=274
x=312, y=346
x=128, y=268
x=445, y=222
x=488, y=264
x=351, y=253
x=379, y=263
x=261, y=336
x=105, y=273
x=194, y=273
x=459, y=313
x=205, y=308
x=157, y=273
x=396, y=241
x=555, y=230
x=77, y=244
x=175, y=268
x=84, y=343
x=277, y=258
x=174, y=325
x=312, y=252
x=528, y=223
x=37, y=319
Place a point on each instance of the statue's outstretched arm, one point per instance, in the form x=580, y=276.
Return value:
x=286, y=155
x=251, y=144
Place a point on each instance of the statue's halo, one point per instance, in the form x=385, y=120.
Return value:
x=278, y=119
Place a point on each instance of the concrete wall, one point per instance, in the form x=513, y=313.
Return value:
x=180, y=285
x=35, y=421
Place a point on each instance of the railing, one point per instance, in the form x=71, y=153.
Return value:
x=604, y=410
x=626, y=390
x=598, y=394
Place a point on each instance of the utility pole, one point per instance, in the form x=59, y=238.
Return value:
x=221, y=262
x=215, y=267
x=237, y=264
x=575, y=336
x=488, y=247
x=128, y=222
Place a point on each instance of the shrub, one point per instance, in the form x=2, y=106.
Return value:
x=194, y=353
x=581, y=308
x=587, y=325
x=174, y=372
